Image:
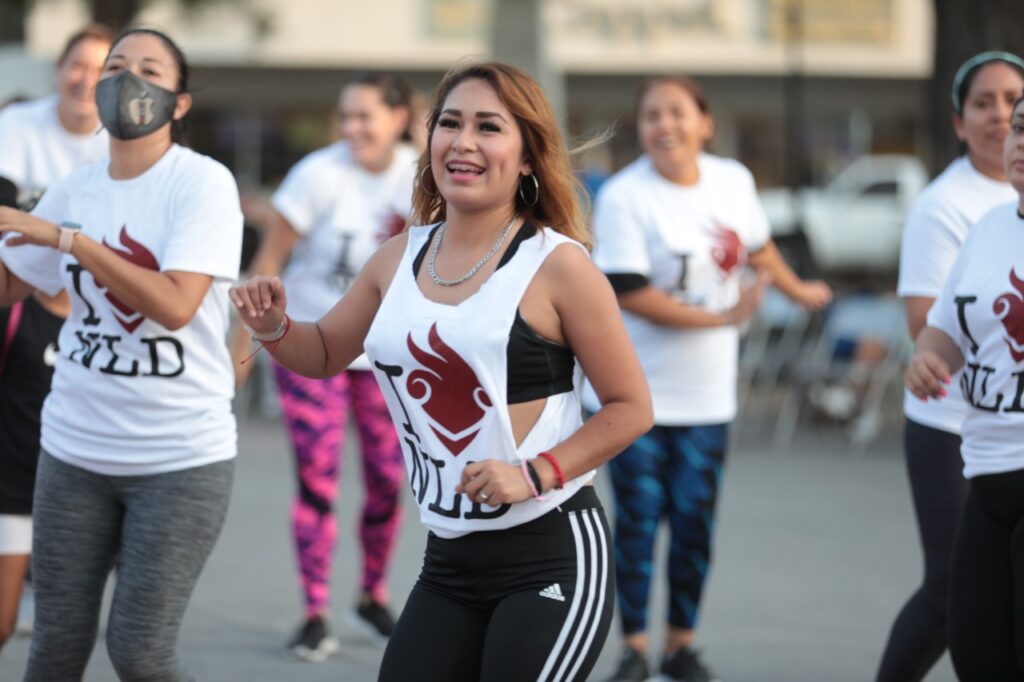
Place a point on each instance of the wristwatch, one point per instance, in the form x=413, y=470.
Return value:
x=68, y=231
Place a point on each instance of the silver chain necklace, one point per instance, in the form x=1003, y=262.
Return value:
x=476, y=266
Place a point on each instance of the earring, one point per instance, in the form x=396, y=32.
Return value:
x=536, y=191
x=425, y=169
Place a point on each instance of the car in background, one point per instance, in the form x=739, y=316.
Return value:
x=856, y=221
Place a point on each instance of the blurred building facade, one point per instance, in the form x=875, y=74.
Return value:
x=818, y=81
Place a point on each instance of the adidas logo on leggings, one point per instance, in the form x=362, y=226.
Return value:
x=553, y=591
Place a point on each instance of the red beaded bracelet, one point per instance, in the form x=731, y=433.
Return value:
x=559, y=478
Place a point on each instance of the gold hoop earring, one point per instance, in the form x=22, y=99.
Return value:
x=536, y=190
x=424, y=187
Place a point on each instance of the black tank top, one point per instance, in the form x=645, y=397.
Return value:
x=537, y=368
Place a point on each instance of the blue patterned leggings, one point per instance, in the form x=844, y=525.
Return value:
x=670, y=472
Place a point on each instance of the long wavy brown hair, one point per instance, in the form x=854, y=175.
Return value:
x=559, y=202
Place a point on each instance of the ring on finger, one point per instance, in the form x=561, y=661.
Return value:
x=483, y=496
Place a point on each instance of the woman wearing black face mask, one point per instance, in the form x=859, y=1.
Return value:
x=138, y=438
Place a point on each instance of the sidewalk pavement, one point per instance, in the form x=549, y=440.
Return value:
x=816, y=552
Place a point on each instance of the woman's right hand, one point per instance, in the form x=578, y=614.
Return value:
x=927, y=375
x=750, y=298
x=261, y=303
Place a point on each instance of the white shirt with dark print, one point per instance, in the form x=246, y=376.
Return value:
x=936, y=227
x=692, y=243
x=130, y=396
x=443, y=370
x=981, y=308
x=343, y=213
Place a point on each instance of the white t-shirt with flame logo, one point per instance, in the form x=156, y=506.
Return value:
x=444, y=372
x=692, y=242
x=981, y=308
x=130, y=396
x=936, y=227
x=343, y=213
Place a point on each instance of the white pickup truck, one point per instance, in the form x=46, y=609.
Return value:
x=857, y=220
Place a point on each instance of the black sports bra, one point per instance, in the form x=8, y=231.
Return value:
x=537, y=368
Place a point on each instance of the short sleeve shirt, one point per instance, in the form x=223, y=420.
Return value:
x=129, y=395
x=937, y=225
x=981, y=308
x=692, y=242
x=37, y=150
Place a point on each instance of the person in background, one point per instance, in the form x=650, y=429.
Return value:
x=984, y=90
x=40, y=142
x=28, y=340
x=976, y=324
x=138, y=438
x=45, y=139
x=333, y=210
x=674, y=231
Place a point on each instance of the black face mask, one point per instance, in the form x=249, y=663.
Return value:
x=131, y=107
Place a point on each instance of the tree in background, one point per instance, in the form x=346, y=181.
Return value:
x=964, y=28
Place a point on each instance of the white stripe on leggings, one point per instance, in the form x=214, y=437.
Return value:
x=577, y=597
x=601, y=557
x=579, y=612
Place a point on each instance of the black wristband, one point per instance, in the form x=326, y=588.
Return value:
x=534, y=476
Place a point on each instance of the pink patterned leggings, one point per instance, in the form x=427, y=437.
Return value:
x=316, y=412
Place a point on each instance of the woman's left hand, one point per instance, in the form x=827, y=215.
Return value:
x=494, y=483
x=814, y=295
x=27, y=229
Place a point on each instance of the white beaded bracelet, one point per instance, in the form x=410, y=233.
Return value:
x=273, y=336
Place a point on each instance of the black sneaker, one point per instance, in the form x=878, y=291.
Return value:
x=373, y=619
x=684, y=665
x=313, y=642
x=632, y=667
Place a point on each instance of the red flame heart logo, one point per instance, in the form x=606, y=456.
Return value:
x=136, y=253
x=728, y=251
x=448, y=390
x=1009, y=308
x=392, y=225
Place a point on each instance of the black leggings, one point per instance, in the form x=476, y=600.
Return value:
x=986, y=607
x=918, y=637
x=533, y=602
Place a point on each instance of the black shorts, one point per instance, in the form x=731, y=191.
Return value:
x=533, y=602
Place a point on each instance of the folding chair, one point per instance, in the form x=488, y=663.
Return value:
x=849, y=319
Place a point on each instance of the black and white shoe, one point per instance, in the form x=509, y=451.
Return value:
x=313, y=641
x=373, y=619
x=632, y=667
x=684, y=665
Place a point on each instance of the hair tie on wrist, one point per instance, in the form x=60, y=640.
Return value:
x=529, y=475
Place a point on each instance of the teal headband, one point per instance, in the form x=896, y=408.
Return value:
x=975, y=62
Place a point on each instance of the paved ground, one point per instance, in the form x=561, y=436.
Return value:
x=816, y=551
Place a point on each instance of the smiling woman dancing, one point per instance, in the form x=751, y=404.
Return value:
x=476, y=353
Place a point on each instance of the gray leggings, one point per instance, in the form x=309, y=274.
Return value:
x=158, y=529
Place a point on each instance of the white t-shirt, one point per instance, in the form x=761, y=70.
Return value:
x=981, y=308
x=343, y=213
x=936, y=227
x=130, y=396
x=691, y=242
x=36, y=150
